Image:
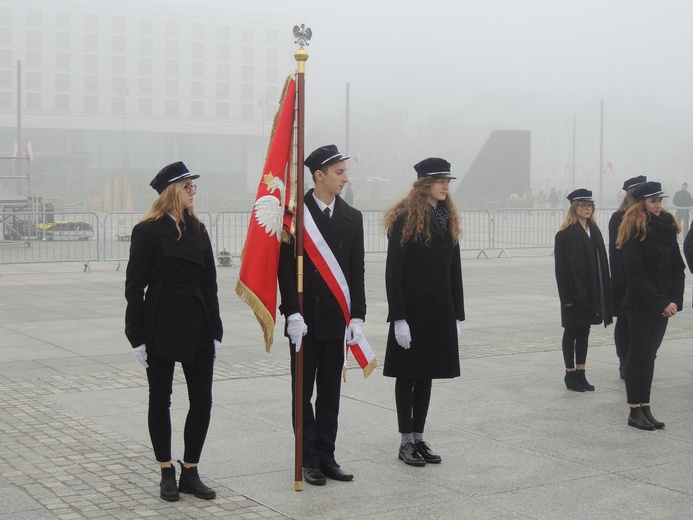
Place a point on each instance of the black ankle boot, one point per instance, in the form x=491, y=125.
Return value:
x=169, y=488
x=648, y=415
x=190, y=483
x=583, y=380
x=638, y=420
x=572, y=382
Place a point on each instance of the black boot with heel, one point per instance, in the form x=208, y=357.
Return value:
x=583, y=380
x=169, y=488
x=572, y=382
x=190, y=483
x=638, y=420
x=648, y=415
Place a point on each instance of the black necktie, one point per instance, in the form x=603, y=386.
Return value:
x=327, y=212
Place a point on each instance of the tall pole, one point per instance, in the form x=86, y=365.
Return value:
x=347, y=120
x=572, y=168
x=302, y=37
x=19, y=121
x=601, y=147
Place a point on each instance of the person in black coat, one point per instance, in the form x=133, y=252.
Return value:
x=655, y=274
x=582, y=276
x=423, y=278
x=172, y=315
x=322, y=321
x=618, y=274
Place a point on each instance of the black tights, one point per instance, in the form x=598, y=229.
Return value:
x=575, y=345
x=412, y=397
x=198, y=378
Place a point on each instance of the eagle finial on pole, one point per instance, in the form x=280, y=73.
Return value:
x=302, y=35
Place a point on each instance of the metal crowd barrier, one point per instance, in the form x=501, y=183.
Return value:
x=525, y=228
x=62, y=237
x=117, y=229
x=34, y=237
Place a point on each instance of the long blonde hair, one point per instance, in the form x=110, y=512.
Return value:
x=413, y=210
x=572, y=217
x=634, y=223
x=169, y=202
x=628, y=200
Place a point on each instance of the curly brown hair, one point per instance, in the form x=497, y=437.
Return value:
x=413, y=211
x=169, y=202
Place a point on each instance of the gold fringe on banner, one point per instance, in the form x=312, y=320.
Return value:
x=263, y=316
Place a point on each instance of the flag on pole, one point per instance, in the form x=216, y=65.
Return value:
x=29, y=152
x=356, y=159
x=271, y=217
x=609, y=167
x=16, y=150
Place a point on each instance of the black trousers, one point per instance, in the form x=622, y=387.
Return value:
x=646, y=334
x=323, y=362
x=198, y=377
x=412, y=398
x=574, y=345
x=622, y=336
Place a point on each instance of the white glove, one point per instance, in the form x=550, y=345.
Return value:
x=354, y=331
x=402, y=334
x=217, y=348
x=458, y=328
x=140, y=354
x=296, y=328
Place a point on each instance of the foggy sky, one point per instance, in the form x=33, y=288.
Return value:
x=499, y=64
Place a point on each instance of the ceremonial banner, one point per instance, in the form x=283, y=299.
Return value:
x=271, y=217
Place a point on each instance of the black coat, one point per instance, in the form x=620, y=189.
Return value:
x=171, y=290
x=321, y=311
x=582, y=276
x=654, y=267
x=688, y=248
x=618, y=270
x=424, y=287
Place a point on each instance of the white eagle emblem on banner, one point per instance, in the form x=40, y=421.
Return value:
x=269, y=210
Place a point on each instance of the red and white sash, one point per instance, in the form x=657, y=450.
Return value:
x=330, y=270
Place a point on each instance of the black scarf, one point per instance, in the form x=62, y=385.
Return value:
x=441, y=218
x=660, y=229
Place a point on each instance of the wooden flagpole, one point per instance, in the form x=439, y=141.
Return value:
x=302, y=37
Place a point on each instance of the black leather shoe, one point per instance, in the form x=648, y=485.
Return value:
x=648, y=415
x=169, y=488
x=638, y=420
x=410, y=455
x=314, y=476
x=425, y=451
x=335, y=472
x=190, y=483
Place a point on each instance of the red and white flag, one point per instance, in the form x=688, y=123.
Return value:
x=29, y=152
x=609, y=167
x=272, y=216
x=356, y=160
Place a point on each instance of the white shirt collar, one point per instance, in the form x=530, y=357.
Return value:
x=322, y=205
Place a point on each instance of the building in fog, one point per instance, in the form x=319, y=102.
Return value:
x=108, y=91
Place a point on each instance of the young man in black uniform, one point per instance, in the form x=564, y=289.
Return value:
x=323, y=323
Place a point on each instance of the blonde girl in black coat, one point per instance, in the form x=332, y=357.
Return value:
x=582, y=276
x=423, y=278
x=655, y=274
x=172, y=316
